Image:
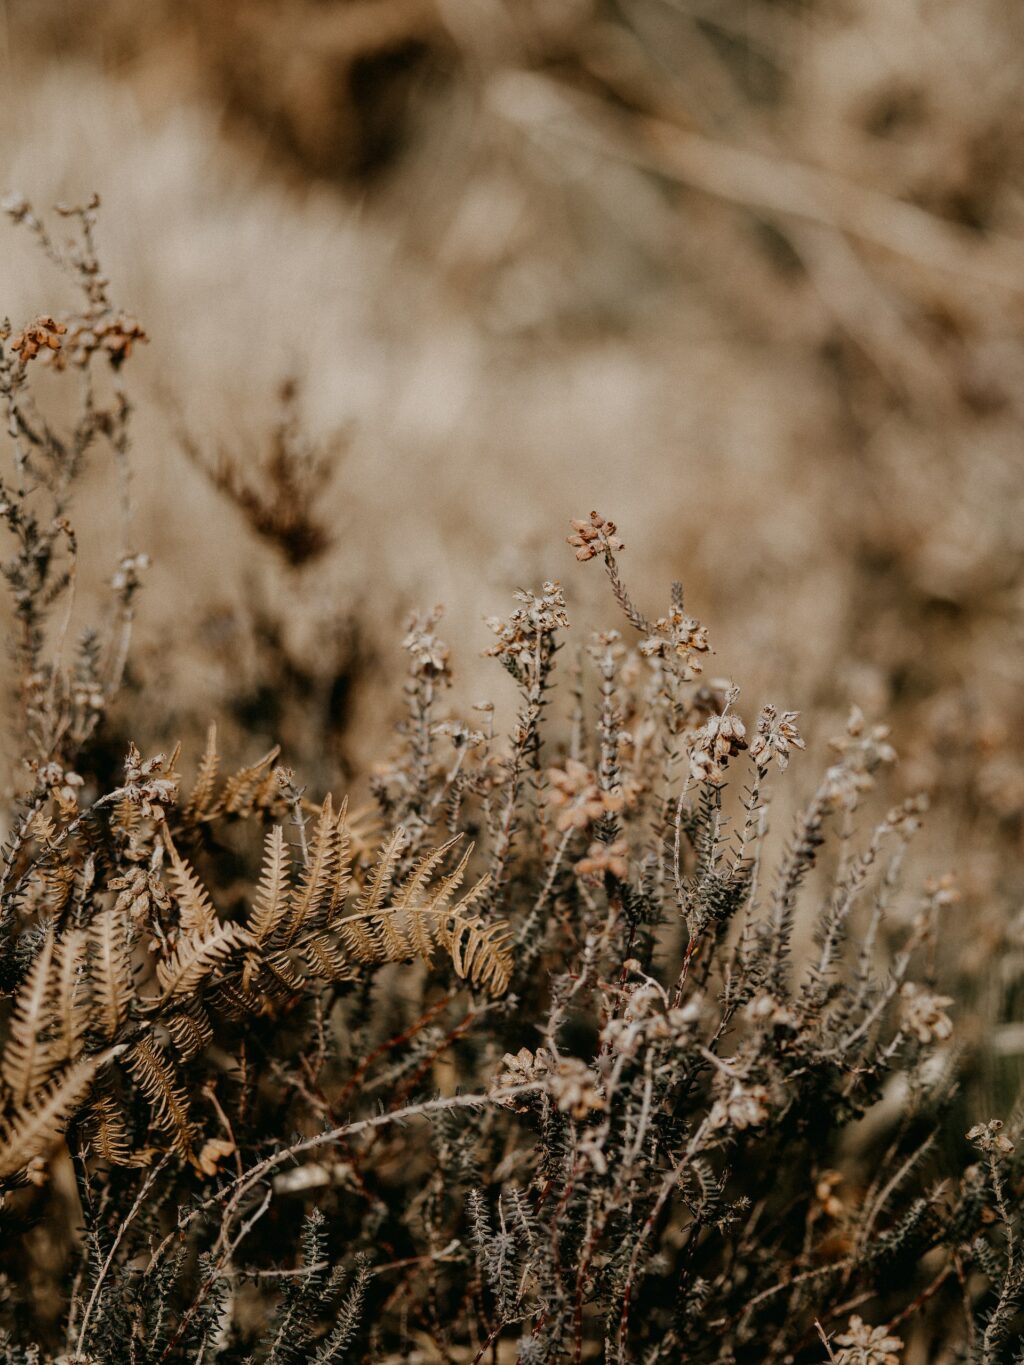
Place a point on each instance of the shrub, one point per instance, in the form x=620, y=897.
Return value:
x=535, y=1059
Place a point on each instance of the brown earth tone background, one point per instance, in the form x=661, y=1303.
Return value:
x=747, y=277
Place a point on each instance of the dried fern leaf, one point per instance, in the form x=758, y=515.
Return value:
x=270, y=904
x=195, y=908
x=326, y=960
x=155, y=1074
x=393, y=944
x=248, y=787
x=69, y=993
x=31, y=1131
x=379, y=881
x=190, y=1030
x=199, y=806
x=32, y=1053
x=358, y=940
x=106, y=1133
x=480, y=953
x=110, y=972
x=311, y=901
x=409, y=892
x=343, y=878
x=197, y=956
x=233, y=1001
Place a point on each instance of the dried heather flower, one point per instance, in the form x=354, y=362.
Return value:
x=745, y=1106
x=720, y=739
x=775, y=737
x=430, y=656
x=680, y=635
x=575, y=1089
x=989, y=1138
x=574, y=793
x=522, y=1068
x=924, y=1014
x=602, y=858
x=42, y=335
x=593, y=537
x=824, y=1192
x=865, y=1345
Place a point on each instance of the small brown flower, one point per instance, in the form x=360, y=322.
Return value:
x=775, y=738
x=989, y=1138
x=575, y=1089
x=602, y=858
x=574, y=793
x=42, y=335
x=593, y=537
x=429, y=654
x=866, y=1345
x=720, y=739
x=745, y=1106
x=924, y=1014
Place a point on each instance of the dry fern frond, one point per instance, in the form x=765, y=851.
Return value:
x=32, y=1053
x=248, y=789
x=416, y=922
x=190, y=1030
x=382, y=874
x=110, y=971
x=69, y=991
x=155, y=1074
x=326, y=960
x=311, y=901
x=32, y=1130
x=270, y=904
x=197, y=956
x=195, y=907
x=200, y=800
x=106, y=1132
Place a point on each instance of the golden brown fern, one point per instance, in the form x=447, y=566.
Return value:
x=157, y=1080
x=105, y=1130
x=196, y=957
x=200, y=801
x=271, y=902
x=69, y=991
x=312, y=898
x=420, y=918
x=32, y=1052
x=196, y=912
x=109, y=971
x=190, y=1030
x=31, y=1130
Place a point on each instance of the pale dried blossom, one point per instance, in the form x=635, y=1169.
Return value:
x=680, y=635
x=866, y=745
x=602, y=858
x=521, y=1068
x=744, y=1106
x=596, y=536
x=213, y=1153
x=574, y=793
x=721, y=738
x=863, y=1344
x=825, y=1194
x=138, y=890
x=776, y=737
x=127, y=579
x=575, y=1088
x=430, y=656
x=152, y=783
x=765, y=1009
x=924, y=1014
x=42, y=335
x=989, y=1138
x=540, y=615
